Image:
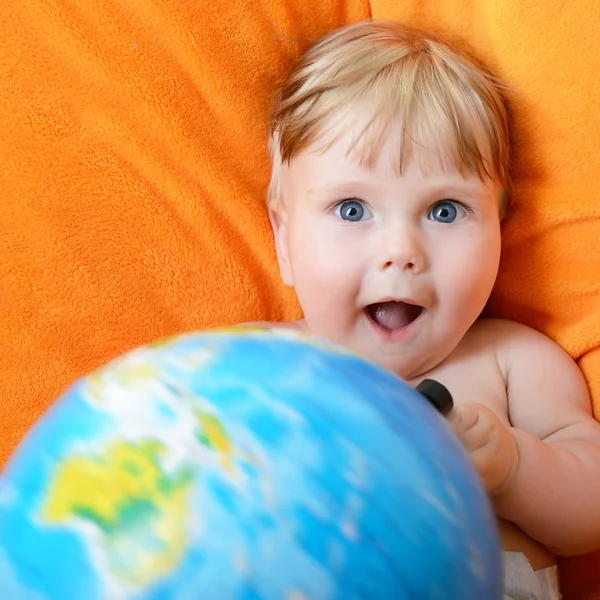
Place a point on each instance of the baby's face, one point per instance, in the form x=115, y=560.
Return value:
x=395, y=267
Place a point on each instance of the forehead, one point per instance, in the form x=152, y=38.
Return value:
x=352, y=153
x=374, y=138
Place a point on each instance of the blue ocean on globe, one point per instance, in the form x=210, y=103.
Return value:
x=244, y=464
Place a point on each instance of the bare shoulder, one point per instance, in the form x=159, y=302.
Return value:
x=502, y=331
x=498, y=342
x=514, y=344
x=518, y=346
x=546, y=391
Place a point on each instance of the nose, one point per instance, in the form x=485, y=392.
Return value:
x=402, y=249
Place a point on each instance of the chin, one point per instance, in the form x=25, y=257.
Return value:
x=403, y=369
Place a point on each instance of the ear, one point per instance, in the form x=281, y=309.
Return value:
x=278, y=218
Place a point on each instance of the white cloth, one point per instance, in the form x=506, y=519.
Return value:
x=521, y=582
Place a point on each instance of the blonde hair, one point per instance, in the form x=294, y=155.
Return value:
x=414, y=86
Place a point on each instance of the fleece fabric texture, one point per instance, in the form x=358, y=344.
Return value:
x=134, y=170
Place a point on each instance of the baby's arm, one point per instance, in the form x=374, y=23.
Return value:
x=554, y=493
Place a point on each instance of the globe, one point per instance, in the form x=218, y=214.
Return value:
x=245, y=464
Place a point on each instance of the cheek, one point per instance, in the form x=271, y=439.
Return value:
x=321, y=251
x=474, y=272
x=325, y=265
x=490, y=251
x=321, y=266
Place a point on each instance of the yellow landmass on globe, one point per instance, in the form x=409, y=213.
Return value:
x=141, y=511
x=212, y=434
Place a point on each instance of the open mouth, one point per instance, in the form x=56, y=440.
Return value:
x=393, y=316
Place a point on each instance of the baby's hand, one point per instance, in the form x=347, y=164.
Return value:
x=489, y=442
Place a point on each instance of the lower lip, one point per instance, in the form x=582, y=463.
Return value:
x=393, y=335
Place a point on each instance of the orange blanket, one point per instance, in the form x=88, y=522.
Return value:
x=133, y=175
x=134, y=169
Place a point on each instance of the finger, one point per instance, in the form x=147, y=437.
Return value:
x=462, y=418
x=476, y=437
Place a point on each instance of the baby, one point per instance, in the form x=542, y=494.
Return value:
x=390, y=158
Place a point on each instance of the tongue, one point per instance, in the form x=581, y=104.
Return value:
x=394, y=315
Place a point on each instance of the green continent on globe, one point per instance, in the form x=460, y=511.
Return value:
x=140, y=512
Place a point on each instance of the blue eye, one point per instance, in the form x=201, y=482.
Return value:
x=352, y=210
x=447, y=211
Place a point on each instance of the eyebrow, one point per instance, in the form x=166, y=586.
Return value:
x=469, y=188
x=341, y=187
